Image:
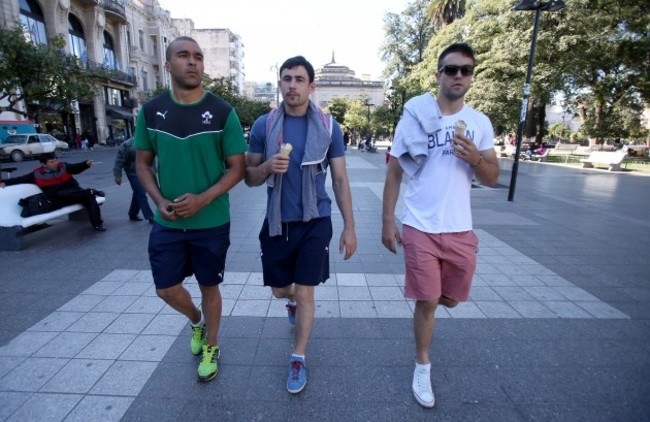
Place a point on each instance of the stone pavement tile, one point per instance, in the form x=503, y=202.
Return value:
x=325, y=292
x=107, y=346
x=526, y=281
x=124, y=378
x=485, y=268
x=508, y=293
x=277, y=328
x=554, y=280
x=575, y=294
x=328, y=309
x=235, y=277
x=77, y=376
x=255, y=279
x=354, y=293
x=144, y=276
x=358, y=309
x=57, y=321
x=31, y=374
x=601, y=310
x=132, y=289
x=241, y=327
x=120, y=275
x=146, y=305
x=255, y=292
x=386, y=293
x=103, y=288
x=564, y=309
x=237, y=351
x=94, y=322
x=277, y=309
x=46, y=407
x=466, y=310
x=115, y=304
x=82, y=303
x=26, y=343
x=10, y=401
x=150, y=348
x=393, y=309
x=227, y=306
x=496, y=309
x=9, y=363
x=100, y=408
x=171, y=325
x=148, y=410
x=531, y=309
x=484, y=293
x=367, y=352
x=257, y=308
x=275, y=352
x=230, y=291
x=386, y=280
x=129, y=324
x=65, y=345
x=543, y=293
x=499, y=279
x=350, y=279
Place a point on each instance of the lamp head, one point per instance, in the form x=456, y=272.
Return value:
x=526, y=5
x=553, y=5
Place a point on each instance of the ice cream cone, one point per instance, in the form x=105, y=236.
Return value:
x=460, y=127
x=285, y=149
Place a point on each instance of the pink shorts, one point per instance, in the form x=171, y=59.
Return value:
x=439, y=264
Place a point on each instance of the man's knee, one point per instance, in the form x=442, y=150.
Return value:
x=169, y=293
x=447, y=303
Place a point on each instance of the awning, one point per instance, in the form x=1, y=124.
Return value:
x=119, y=114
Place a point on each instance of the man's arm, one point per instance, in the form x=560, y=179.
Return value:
x=258, y=171
x=189, y=204
x=76, y=168
x=389, y=233
x=487, y=171
x=343, y=195
x=25, y=178
x=143, y=169
x=118, y=166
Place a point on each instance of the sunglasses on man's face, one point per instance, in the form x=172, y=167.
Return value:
x=452, y=69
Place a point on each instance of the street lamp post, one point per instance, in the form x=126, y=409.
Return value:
x=538, y=7
x=277, y=84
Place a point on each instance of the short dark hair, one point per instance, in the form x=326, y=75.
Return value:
x=461, y=48
x=46, y=156
x=168, y=50
x=299, y=61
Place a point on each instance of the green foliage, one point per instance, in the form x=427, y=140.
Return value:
x=444, y=12
x=42, y=76
x=338, y=106
x=560, y=131
x=160, y=89
x=356, y=117
x=247, y=110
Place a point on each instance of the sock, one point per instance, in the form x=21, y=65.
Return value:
x=201, y=321
x=289, y=302
x=298, y=357
x=426, y=366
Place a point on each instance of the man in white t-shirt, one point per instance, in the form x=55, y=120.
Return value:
x=440, y=144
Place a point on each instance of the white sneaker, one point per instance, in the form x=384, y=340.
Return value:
x=422, y=390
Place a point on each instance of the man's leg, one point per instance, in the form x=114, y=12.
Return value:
x=179, y=298
x=304, y=317
x=423, y=326
x=140, y=195
x=211, y=306
x=134, y=208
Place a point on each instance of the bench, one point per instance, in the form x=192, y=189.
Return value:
x=536, y=157
x=612, y=159
x=564, y=148
x=13, y=227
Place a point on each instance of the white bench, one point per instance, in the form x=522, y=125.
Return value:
x=536, y=157
x=612, y=159
x=13, y=227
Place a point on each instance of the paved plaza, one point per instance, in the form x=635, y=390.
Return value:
x=557, y=327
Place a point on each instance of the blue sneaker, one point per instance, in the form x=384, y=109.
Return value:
x=291, y=313
x=297, y=376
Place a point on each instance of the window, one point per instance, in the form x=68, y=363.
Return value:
x=76, y=39
x=110, y=60
x=154, y=46
x=114, y=97
x=141, y=39
x=31, y=17
x=145, y=81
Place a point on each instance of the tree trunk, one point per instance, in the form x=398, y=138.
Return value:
x=541, y=118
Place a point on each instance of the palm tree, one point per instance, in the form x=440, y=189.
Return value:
x=443, y=12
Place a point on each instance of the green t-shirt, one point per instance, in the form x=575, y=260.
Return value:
x=191, y=142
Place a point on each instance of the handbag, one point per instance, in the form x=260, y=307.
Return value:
x=36, y=204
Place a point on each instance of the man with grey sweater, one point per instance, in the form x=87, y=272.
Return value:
x=297, y=230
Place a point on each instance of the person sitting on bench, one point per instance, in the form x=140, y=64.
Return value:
x=55, y=179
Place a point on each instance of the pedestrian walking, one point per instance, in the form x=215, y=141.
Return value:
x=125, y=161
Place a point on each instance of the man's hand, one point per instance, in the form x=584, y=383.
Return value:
x=118, y=181
x=390, y=236
x=348, y=243
x=89, y=163
x=278, y=164
x=187, y=205
x=465, y=149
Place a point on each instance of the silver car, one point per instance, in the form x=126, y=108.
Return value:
x=19, y=147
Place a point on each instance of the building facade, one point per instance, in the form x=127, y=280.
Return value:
x=334, y=80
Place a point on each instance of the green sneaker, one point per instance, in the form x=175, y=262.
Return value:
x=208, y=367
x=198, y=339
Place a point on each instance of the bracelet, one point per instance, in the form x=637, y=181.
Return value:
x=478, y=163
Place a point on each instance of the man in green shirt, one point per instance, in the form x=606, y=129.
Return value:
x=198, y=141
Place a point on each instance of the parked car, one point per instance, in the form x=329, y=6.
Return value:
x=19, y=147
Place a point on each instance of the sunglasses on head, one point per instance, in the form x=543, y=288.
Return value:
x=452, y=70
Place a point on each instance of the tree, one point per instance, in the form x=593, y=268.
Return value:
x=247, y=110
x=443, y=12
x=338, y=106
x=41, y=76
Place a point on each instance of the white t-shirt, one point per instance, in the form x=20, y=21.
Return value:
x=437, y=199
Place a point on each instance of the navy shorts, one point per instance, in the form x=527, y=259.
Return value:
x=300, y=255
x=176, y=254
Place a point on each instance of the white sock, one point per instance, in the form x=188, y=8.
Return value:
x=420, y=366
x=201, y=321
x=301, y=357
x=289, y=302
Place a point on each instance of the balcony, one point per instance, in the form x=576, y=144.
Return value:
x=112, y=74
x=114, y=9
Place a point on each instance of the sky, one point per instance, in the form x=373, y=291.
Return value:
x=274, y=30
